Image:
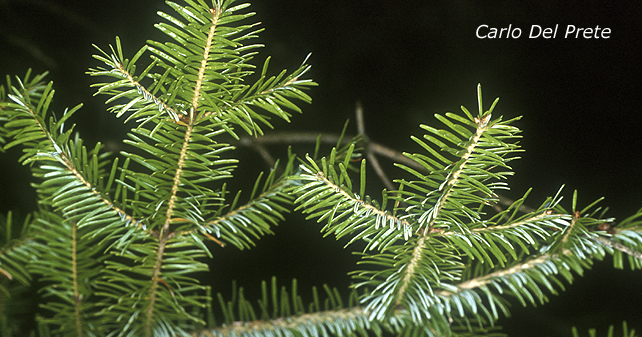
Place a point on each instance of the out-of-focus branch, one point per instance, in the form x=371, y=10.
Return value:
x=62, y=13
x=371, y=148
x=258, y=147
x=370, y=154
x=31, y=48
x=310, y=137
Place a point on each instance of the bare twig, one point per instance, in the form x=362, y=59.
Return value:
x=260, y=148
x=370, y=154
x=361, y=125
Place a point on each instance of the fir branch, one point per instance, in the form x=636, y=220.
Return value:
x=15, y=251
x=282, y=313
x=624, y=249
x=417, y=255
x=216, y=12
x=74, y=280
x=410, y=269
x=118, y=248
x=500, y=274
x=69, y=265
x=351, y=200
x=54, y=148
x=369, y=146
x=482, y=124
x=164, y=234
x=341, y=321
x=147, y=95
x=253, y=217
x=324, y=196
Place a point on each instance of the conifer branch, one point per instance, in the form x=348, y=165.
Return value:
x=412, y=264
x=164, y=234
x=500, y=274
x=245, y=218
x=615, y=245
x=452, y=180
x=14, y=255
x=409, y=270
x=59, y=154
x=74, y=280
x=369, y=146
x=216, y=12
x=119, y=255
x=148, y=96
x=360, y=203
x=335, y=321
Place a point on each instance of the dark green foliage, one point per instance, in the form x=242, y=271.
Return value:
x=118, y=240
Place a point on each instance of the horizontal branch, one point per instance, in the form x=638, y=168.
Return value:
x=342, y=319
x=362, y=203
x=618, y=246
x=483, y=280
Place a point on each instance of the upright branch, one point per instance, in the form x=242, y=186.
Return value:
x=135, y=229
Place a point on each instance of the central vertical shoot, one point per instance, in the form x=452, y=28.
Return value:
x=164, y=234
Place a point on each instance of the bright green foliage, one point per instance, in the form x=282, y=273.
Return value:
x=118, y=240
x=440, y=258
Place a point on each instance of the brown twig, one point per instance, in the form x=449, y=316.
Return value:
x=370, y=154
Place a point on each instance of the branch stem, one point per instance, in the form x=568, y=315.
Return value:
x=74, y=279
x=165, y=235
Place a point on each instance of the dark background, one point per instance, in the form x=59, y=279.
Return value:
x=405, y=61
